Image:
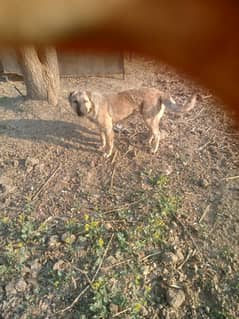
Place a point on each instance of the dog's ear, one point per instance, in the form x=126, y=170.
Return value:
x=96, y=98
x=71, y=94
x=91, y=96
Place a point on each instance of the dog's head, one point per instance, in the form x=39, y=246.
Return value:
x=80, y=102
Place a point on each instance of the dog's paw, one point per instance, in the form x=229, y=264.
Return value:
x=153, y=150
x=107, y=154
x=102, y=148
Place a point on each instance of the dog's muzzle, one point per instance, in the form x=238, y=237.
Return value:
x=78, y=111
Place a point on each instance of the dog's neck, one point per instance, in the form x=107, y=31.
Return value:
x=93, y=112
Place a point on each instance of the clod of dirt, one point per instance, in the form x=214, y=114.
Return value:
x=35, y=268
x=54, y=241
x=144, y=312
x=170, y=258
x=6, y=186
x=1, y=293
x=175, y=297
x=15, y=163
x=166, y=169
x=179, y=254
x=21, y=285
x=114, y=308
x=59, y=265
x=10, y=289
x=30, y=163
x=68, y=238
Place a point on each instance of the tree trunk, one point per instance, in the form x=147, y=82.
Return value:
x=41, y=73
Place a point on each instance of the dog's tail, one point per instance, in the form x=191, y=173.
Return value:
x=171, y=105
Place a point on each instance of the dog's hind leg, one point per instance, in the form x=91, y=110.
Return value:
x=155, y=135
x=151, y=138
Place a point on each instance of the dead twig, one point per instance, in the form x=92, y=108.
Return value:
x=204, y=214
x=118, y=264
x=114, y=157
x=121, y=207
x=151, y=255
x=75, y=300
x=46, y=182
x=130, y=259
x=121, y=312
x=186, y=231
x=103, y=257
x=92, y=280
x=230, y=178
x=85, y=274
x=18, y=91
x=112, y=177
x=205, y=97
x=190, y=253
x=202, y=147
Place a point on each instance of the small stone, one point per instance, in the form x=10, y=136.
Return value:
x=68, y=238
x=208, y=310
x=175, y=297
x=146, y=270
x=108, y=226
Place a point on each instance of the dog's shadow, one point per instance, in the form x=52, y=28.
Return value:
x=65, y=134
x=11, y=103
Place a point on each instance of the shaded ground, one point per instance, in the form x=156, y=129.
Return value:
x=135, y=236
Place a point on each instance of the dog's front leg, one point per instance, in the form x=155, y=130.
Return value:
x=109, y=134
x=103, y=140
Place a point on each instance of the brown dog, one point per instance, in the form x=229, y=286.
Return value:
x=105, y=110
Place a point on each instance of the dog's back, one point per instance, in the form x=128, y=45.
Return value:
x=125, y=103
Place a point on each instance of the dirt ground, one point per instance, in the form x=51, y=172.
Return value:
x=53, y=180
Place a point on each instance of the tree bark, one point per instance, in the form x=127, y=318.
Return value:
x=41, y=73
